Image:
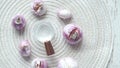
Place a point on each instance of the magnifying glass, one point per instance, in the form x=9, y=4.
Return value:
x=44, y=34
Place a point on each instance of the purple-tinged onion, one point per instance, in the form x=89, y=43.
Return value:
x=72, y=33
x=38, y=8
x=19, y=22
x=39, y=63
x=25, y=48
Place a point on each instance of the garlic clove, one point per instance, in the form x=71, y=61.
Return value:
x=19, y=22
x=67, y=62
x=25, y=48
x=72, y=33
x=64, y=14
x=39, y=63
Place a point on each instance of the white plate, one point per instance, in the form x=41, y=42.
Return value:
x=43, y=31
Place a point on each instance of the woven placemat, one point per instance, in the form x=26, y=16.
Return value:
x=91, y=15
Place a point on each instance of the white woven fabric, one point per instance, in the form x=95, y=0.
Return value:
x=91, y=15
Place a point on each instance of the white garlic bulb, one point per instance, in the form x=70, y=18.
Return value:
x=64, y=14
x=67, y=62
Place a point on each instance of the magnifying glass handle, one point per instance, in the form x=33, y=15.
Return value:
x=49, y=48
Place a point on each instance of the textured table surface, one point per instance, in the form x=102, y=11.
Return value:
x=99, y=20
